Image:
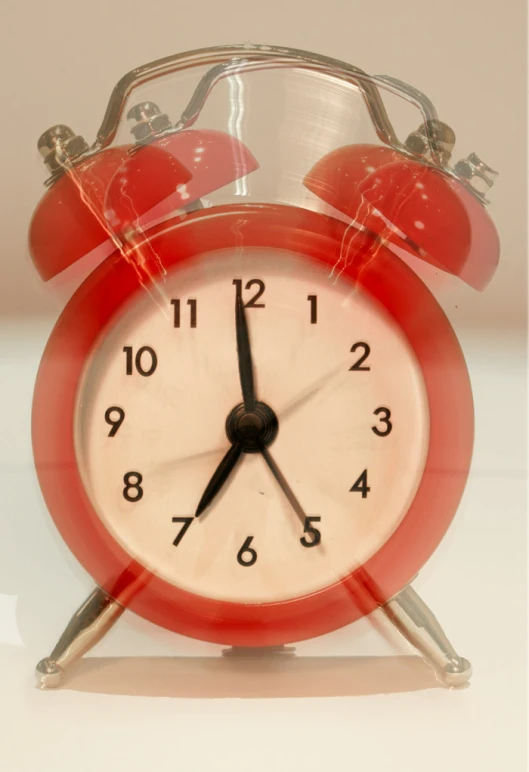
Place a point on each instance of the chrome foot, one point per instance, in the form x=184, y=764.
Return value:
x=414, y=620
x=457, y=672
x=87, y=626
x=49, y=674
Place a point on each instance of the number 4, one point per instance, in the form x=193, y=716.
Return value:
x=361, y=485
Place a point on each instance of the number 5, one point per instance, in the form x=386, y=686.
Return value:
x=315, y=534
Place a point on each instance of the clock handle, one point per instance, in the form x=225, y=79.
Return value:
x=88, y=625
x=417, y=623
x=235, y=60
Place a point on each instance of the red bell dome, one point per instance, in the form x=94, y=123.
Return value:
x=129, y=186
x=413, y=205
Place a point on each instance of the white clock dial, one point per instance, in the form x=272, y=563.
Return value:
x=353, y=427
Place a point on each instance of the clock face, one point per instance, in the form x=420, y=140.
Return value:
x=329, y=362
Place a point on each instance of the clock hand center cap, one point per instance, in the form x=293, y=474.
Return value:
x=254, y=428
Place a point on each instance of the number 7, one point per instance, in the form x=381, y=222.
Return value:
x=186, y=523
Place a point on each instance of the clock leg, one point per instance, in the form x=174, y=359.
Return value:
x=414, y=620
x=87, y=626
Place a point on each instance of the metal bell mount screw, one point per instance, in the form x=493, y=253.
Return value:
x=432, y=135
x=147, y=121
x=476, y=173
x=60, y=145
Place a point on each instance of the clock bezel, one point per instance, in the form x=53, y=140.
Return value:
x=383, y=275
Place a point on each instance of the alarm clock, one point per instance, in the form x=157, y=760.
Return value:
x=253, y=422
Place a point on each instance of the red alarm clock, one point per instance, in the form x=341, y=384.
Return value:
x=253, y=422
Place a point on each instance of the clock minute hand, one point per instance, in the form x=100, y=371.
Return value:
x=285, y=487
x=220, y=475
x=244, y=355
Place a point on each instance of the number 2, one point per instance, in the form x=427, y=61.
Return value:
x=359, y=362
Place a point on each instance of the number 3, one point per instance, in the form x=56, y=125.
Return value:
x=385, y=414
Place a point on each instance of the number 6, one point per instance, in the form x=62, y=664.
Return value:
x=246, y=549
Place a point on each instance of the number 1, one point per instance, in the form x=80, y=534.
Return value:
x=313, y=300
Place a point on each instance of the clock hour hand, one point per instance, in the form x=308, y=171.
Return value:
x=244, y=355
x=285, y=487
x=220, y=475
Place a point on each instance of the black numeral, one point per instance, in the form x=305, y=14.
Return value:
x=359, y=362
x=247, y=550
x=313, y=300
x=252, y=303
x=385, y=414
x=144, y=353
x=192, y=303
x=186, y=522
x=115, y=423
x=361, y=485
x=315, y=535
x=133, y=481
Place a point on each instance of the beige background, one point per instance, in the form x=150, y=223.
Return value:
x=366, y=710
x=61, y=59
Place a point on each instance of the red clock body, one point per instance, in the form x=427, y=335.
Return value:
x=142, y=340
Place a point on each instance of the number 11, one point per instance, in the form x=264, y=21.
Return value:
x=192, y=303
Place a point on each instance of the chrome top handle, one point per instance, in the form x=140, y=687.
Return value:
x=230, y=60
